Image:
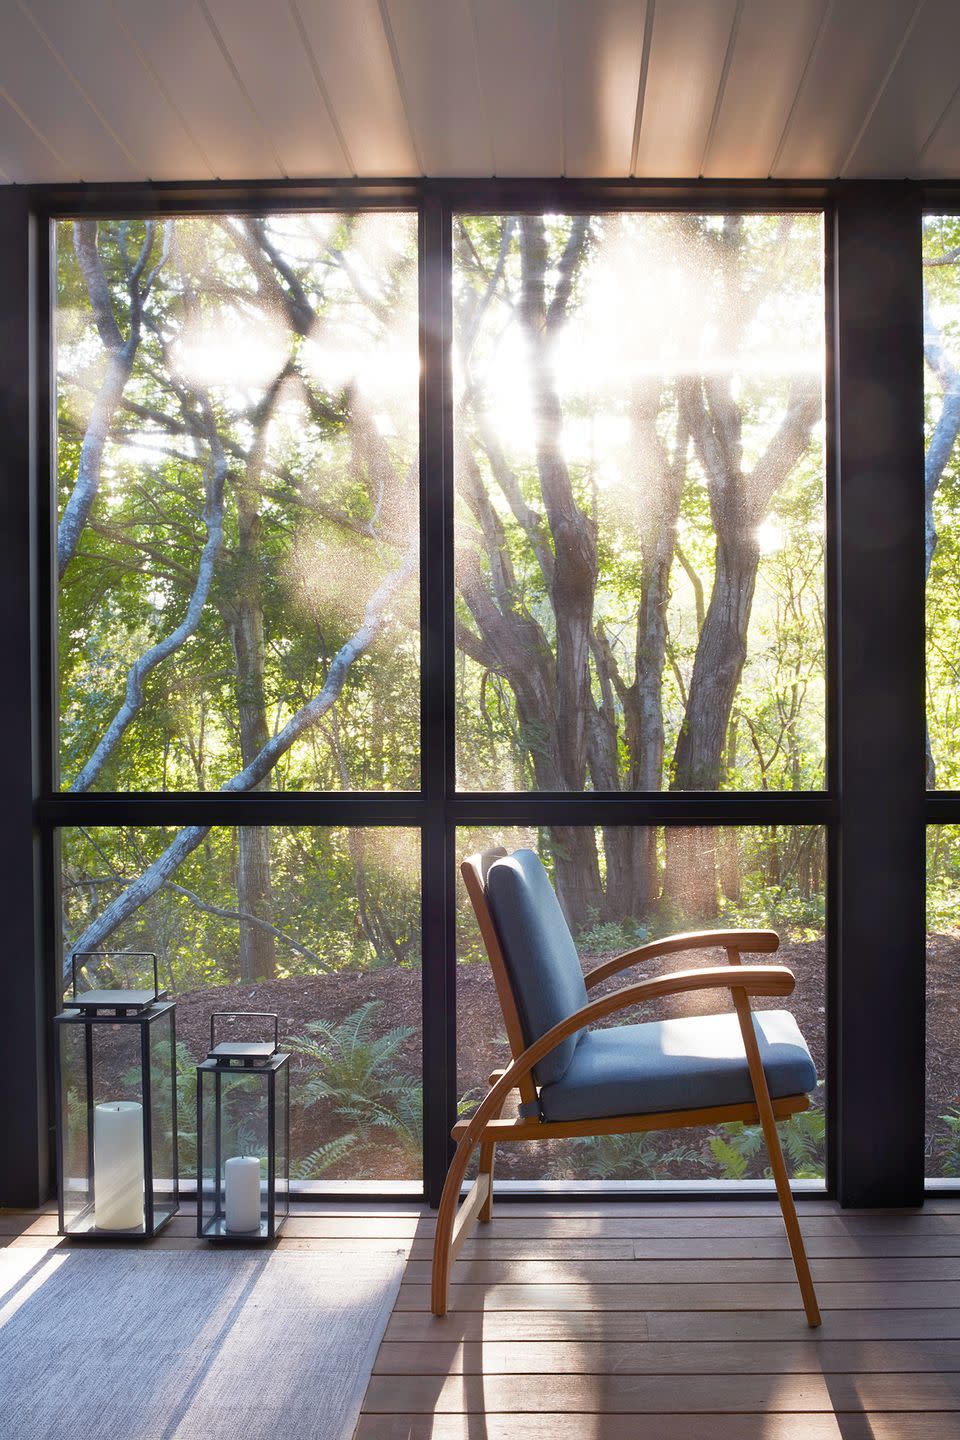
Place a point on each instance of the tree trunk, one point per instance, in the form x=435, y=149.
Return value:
x=630, y=852
x=690, y=877
x=576, y=870
x=258, y=951
x=699, y=755
x=660, y=480
x=721, y=652
x=729, y=862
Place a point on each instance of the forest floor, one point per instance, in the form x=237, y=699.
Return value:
x=482, y=1045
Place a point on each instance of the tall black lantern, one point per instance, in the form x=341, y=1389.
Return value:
x=243, y=1135
x=116, y=1098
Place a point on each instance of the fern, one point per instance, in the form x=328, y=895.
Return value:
x=354, y=1072
x=731, y=1159
x=740, y=1153
x=312, y=1166
x=950, y=1144
x=629, y=1157
x=803, y=1139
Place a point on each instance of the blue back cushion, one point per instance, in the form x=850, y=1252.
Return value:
x=541, y=958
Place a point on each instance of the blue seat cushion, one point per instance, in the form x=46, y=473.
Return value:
x=682, y=1064
x=541, y=958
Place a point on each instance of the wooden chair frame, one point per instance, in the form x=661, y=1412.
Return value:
x=486, y=1128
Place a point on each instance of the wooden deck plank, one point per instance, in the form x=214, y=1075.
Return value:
x=747, y=1325
x=651, y=1357
x=719, y=1271
x=488, y=1245
x=574, y=1225
x=730, y=1224
x=702, y=1295
x=661, y=1394
x=493, y=1426
x=655, y=1208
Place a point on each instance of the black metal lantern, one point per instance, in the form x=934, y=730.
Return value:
x=116, y=1098
x=243, y=1135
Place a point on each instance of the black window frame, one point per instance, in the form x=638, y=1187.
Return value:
x=874, y=807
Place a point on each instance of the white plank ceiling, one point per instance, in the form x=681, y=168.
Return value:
x=98, y=90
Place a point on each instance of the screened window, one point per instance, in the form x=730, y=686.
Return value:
x=237, y=478
x=640, y=502
x=237, y=471
x=941, y=313
x=634, y=465
x=750, y=876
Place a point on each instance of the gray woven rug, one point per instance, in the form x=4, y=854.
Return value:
x=188, y=1345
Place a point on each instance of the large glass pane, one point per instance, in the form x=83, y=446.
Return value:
x=237, y=491
x=941, y=312
x=943, y=986
x=319, y=925
x=640, y=501
x=767, y=876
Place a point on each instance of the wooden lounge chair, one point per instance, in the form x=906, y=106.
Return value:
x=662, y=1075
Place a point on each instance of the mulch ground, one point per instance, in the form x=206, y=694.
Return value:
x=481, y=1043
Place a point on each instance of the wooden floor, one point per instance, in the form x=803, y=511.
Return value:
x=609, y=1321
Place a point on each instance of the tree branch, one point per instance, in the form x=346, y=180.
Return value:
x=120, y=358
x=186, y=841
x=223, y=913
x=171, y=642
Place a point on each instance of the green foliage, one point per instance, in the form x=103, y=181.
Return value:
x=949, y=1145
x=314, y=881
x=298, y=503
x=943, y=878
x=609, y=937
x=783, y=908
x=942, y=315
x=735, y=1149
x=324, y=1158
x=354, y=1071
x=639, y=278
x=740, y=1153
x=641, y=1156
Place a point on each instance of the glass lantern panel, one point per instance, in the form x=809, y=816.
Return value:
x=282, y=1202
x=163, y=1107
x=235, y=1145
x=102, y=1100
x=118, y=1160
x=75, y=1174
x=209, y=1196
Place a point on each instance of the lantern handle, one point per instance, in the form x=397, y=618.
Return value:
x=85, y=955
x=243, y=1015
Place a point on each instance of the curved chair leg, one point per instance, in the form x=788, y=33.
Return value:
x=770, y=1135
x=443, y=1239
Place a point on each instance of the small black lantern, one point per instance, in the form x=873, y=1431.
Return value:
x=243, y=1135
x=116, y=1099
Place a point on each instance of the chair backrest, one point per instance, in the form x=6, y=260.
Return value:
x=535, y=963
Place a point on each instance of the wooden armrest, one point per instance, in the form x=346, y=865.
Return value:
x=746, y=942
x=751, y=979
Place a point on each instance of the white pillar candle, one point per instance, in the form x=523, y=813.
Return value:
x=241, y=1175
x=118, y=1165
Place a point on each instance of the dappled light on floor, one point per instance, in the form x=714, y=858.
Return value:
x=679, y=1321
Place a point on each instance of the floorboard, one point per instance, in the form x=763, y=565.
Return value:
x=651, y=1320
x=666, y=1320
